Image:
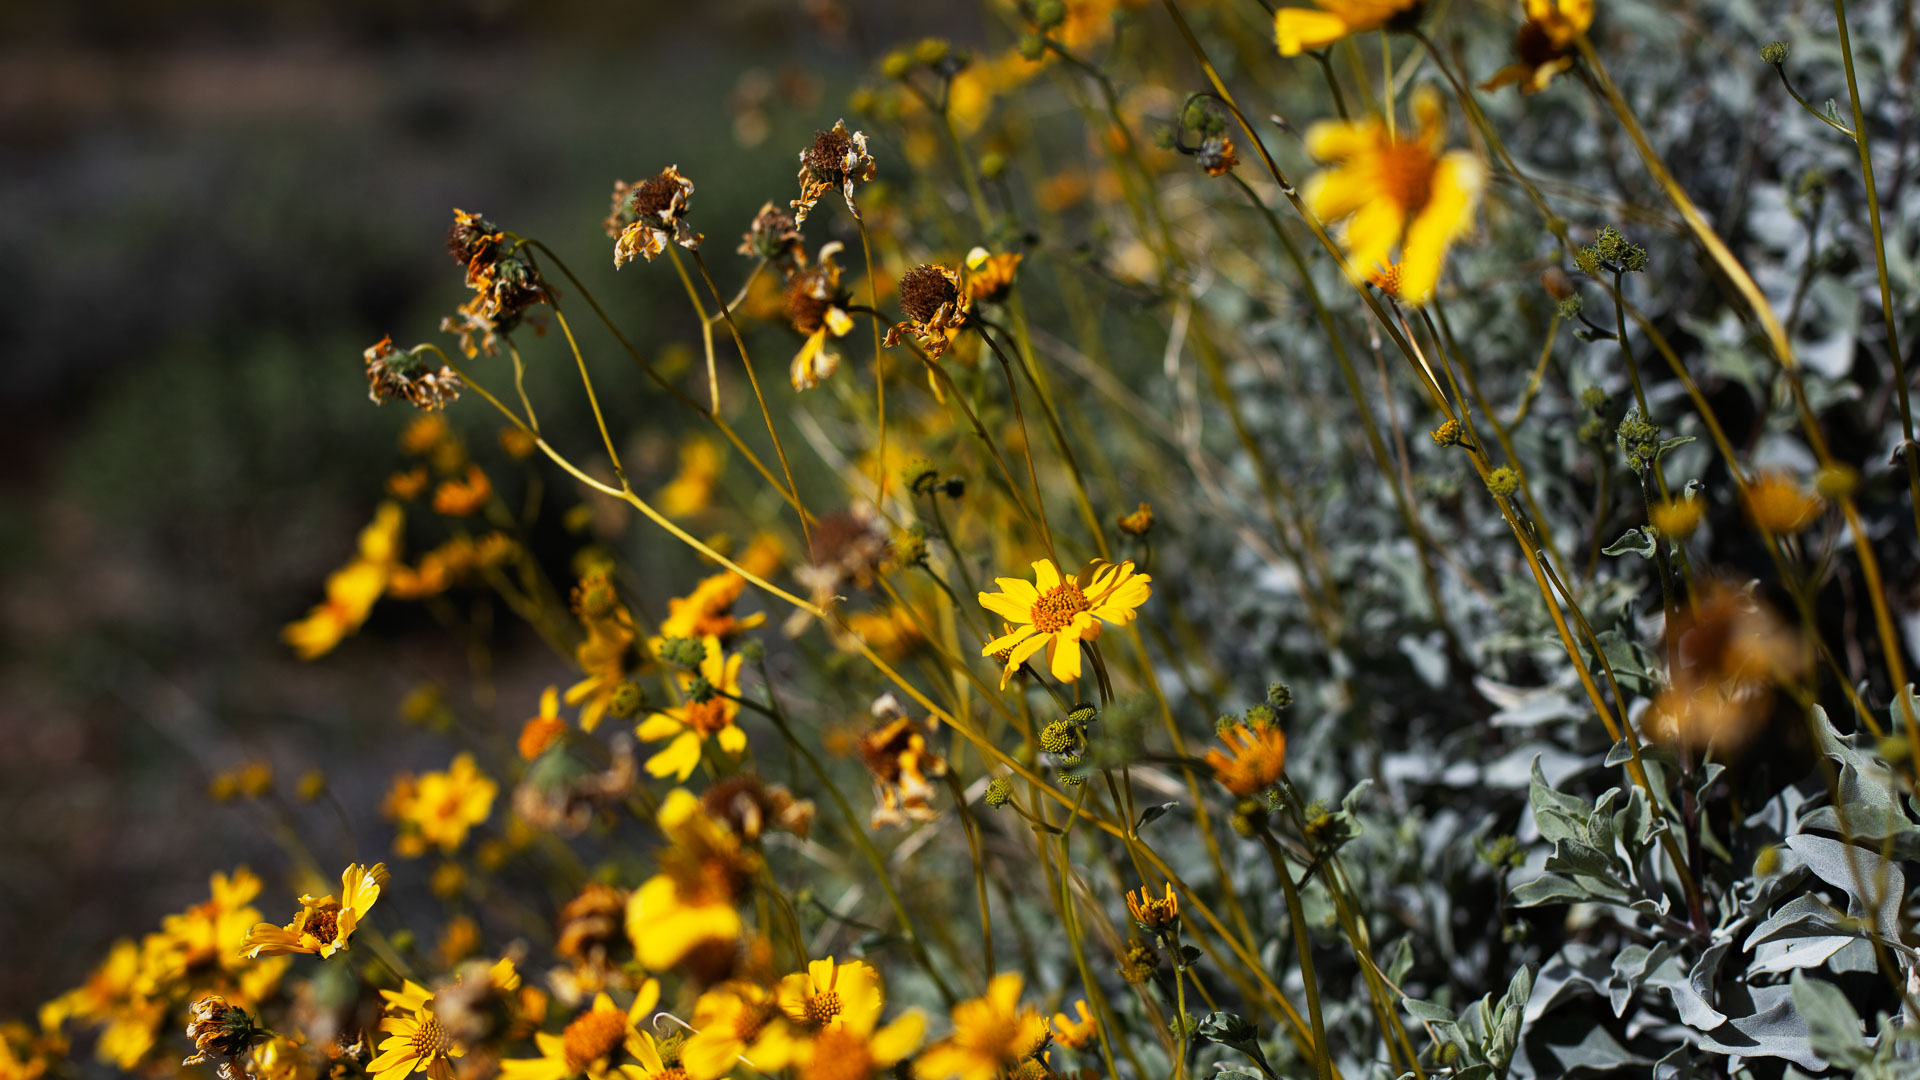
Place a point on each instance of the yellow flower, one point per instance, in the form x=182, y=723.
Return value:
x=1255, y=759
x=817, y=999
x=1544, y=46
x=1075, y=1034
x=1677, y=518
x=707, y=610
x=416, y=1041
x=352, y=589
x=852, y=1050
x=991, y=1034
x=989, y=276
x=691, y=489
x=587, y=1046
x=437, y=809
x=1061, y=613
x=1153, y=912
x=323, y=926
x=816, y=306
x=602, y=656
x=1299, y=30
x=541, y=731
x=463, y=496
x=734, y=1021
x=692, y=903
x=689, y=724
x=1778, y=504
x=1396, y=190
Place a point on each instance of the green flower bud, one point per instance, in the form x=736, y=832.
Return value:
x=1503, y=482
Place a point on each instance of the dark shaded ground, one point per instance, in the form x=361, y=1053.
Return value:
x=211, y=208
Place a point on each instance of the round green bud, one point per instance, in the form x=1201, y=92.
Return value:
x=897, y=65
x=932, y=51
x=626, y=700
x=1594, y=398
x=1503, y=482
x=1032, y=47
x=993, y=164
x=1279, y=695
x=1774, y=52
x=1083, y=713
x=1059, y=737
x=1048, y=14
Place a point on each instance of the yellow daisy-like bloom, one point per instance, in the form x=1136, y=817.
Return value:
x=692, y=903
x=734, y=1021
x=936, y=307
x=708, y=610
x=836, y=158
x=1544, y=46
x=324, y=925
x=1059, y=613
x=990, y=276
x=437, y=809
x=816, y=306
x=691, y=489
x=1777, y=503
x=588, y=1044
x=819, y=998
x=1075, y=1034
x=1298, y=30
x=352, y=589
x=541, y=731
x=1254, y=760
x=690, y=724
x=991, y=1033
x=650, y=1063
x=853, y=1050
x=1395, y=190
x=416, y=1041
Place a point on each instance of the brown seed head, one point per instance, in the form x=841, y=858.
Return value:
x=924, y=290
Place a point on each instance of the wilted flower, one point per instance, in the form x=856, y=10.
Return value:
x=836, y=158
x=1216, y=155
x=1730, y=653
x=653, y=211
x=562, y=790
x=750, y=806
x=816, y=306
x=775, y=236
x=935, y=307
x=221, y=1032
x=897, y=756
x=324, y=925
x=410, y=376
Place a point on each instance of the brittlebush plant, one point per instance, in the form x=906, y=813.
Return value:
x=884, y=744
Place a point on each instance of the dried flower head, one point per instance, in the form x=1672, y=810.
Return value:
x=837, y=158
x=935, y=306
x=221, y=1033
x=896, y=754
x=751, y=806
x=775, y=236
x=410, y=376
x=658, y=206
x=504, y=281
x=1216, y=155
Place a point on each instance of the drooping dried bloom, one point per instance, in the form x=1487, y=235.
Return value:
x=849, y=548
x=837, y=158
x=409, y=376
x=896, y=754
x=504, y=281
x=775, y=236
x=221, y=1033
x=1395, y=189
x=751, y=806
x=1253, y=761
x=1216, y=155
x=1544, y=45
x=816, y=306
x=935, y=306
x=658, y=206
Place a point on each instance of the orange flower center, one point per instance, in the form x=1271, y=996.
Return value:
x=823, y=1007
x=754, y=1018
x=429, y=1040
x=593, y=1036
x=324, y=924
x=1055, y=609
x=707, y=717
x=1406, y=174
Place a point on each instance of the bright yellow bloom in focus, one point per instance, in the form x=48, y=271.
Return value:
x=818, y=998
x=692, y=903
x=587, y=1045
x=734, y=1021
x=1395, y=190
x=990, y=1034
x=1075, y=1034
x=1298, y=30
x=689, y=725
x=415, y=1040
x=1059, y=613
x=323, y=925
x=437, y=809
